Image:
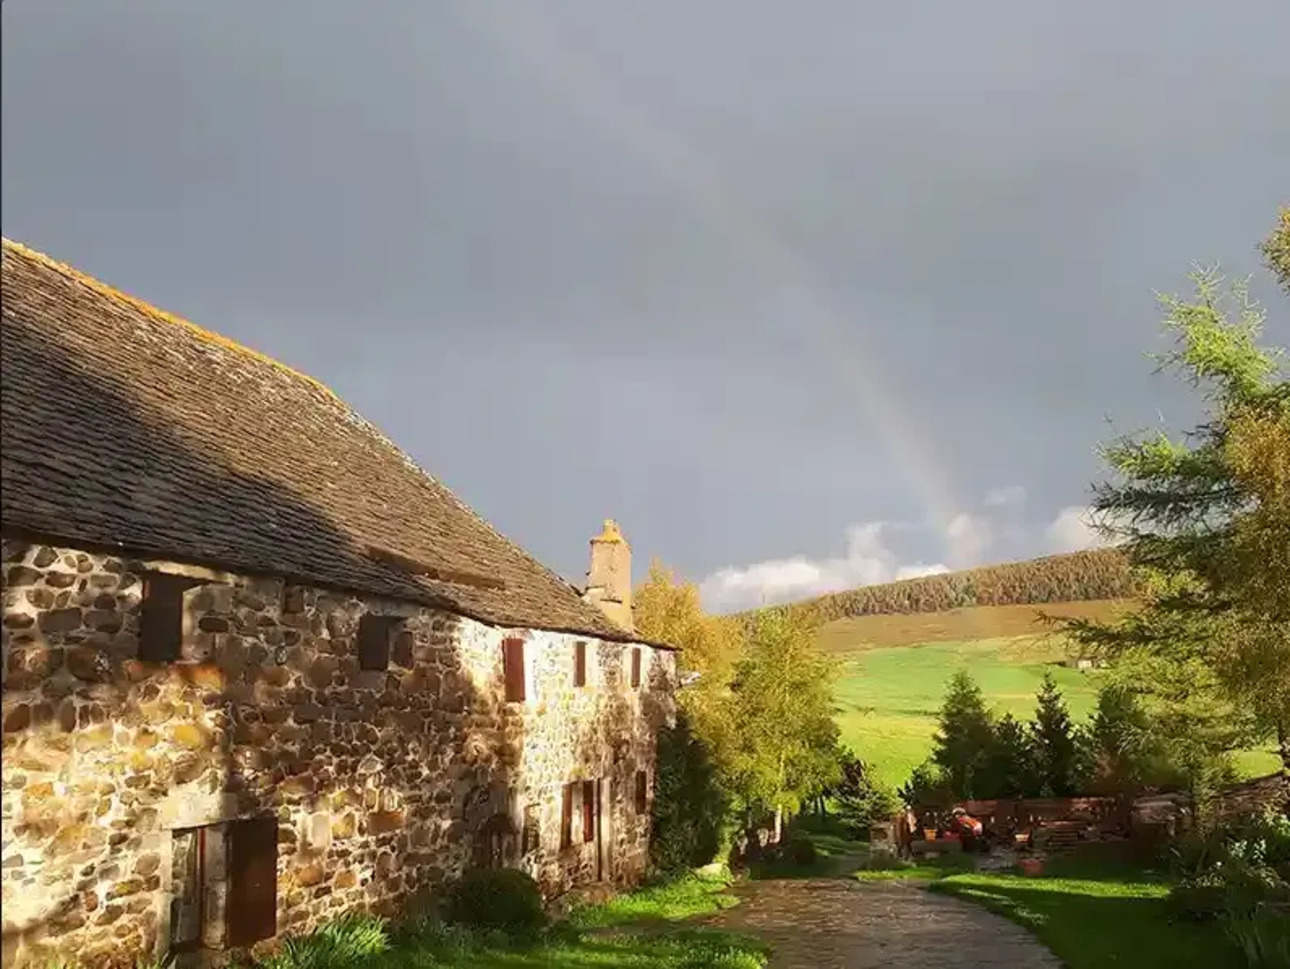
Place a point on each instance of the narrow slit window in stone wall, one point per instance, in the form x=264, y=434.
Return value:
x=513, y=669
x=374, y=635
x=161, y=616
x=566, y=815
x=642, y=791
x=580, y=663
x=588, y=811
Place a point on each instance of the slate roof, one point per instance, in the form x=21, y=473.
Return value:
x=126, y=427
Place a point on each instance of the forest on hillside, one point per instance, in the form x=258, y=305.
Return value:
x=1074, y=577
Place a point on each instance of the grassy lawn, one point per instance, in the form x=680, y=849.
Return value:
x=699, y=893
x=895, y=669
x=681, y=949
x=1090, y=912
x=888, y=696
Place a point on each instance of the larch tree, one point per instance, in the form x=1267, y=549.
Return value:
x=1205, y=521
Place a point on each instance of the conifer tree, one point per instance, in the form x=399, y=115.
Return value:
x=964, y=737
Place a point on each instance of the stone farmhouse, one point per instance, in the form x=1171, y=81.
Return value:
x=260, y=669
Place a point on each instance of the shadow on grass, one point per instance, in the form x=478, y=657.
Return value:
x=1094, y=923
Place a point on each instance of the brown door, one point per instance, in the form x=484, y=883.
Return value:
x=253, y=881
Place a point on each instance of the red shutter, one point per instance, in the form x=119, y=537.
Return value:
x=374, y=642
x=253, y=880
x=566, y=817
x=636, y=667
x=642, y=791
x=580, y=663
x=588, y=811
x=513, y=669
x=161, y=618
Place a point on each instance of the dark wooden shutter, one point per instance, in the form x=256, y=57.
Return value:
x=513, y=668
x=374, y=642
x=253, y=880
x=161, y=617
x=566, y=817
x=588, y=811
x=636, y=667
x=579, y=663
x=642, y=791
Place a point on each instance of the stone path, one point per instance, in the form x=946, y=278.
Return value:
x=838, y=923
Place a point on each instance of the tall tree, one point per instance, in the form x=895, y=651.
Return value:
x=786, y=738
x=964, y=736
x=1010, y=768
x=1054, y=743
x=1122, y=740
x=1205, y=519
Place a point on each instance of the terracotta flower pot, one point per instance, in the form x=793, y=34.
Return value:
x=1031, y=867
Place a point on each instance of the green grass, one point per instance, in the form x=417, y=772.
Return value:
x=699, y=893
x=1091, y=910
x=888, y=697
x=679, y=949
x=1093, y=923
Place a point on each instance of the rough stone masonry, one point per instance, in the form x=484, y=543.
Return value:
x=128, y=786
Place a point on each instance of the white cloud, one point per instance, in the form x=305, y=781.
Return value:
x=1073, y=531
x=868, y=561
x=1006, y=496
x=966, y=539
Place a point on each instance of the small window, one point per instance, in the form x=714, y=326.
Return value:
x=588, y=811
x=636, y=667
x=642, y=792
x=374, y=634
x=252, y=881
x=513, y=669
x=580, y=663
x=566, y=815
x=161, y=618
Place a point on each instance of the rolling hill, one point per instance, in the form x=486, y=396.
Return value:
x=900, y=643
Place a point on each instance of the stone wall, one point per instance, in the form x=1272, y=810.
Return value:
x=378, y=780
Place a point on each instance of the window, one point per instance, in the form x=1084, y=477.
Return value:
x=161, y=618
x=588, y=811
x=636, y=667
x=513, y=669
x=580, y=663
x=582, y=813
x=374, y=634
x=236, y=860
x=566, y=815
x=642, y=792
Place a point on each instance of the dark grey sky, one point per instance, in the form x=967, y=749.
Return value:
x=751, y=277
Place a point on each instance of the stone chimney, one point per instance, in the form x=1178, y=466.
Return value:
x=609, y=581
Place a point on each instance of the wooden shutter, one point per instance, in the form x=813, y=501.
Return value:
x=374, y=642
x=513, y=668
x=588, y=811
x=642, y=791
x=580, y=663
x=161, y=617
x=253, y=880
x=636, y=667
x=566, y=817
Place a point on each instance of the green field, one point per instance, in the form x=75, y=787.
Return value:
x=895, y=669
x=888, y=697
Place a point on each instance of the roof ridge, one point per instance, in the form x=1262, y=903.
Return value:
x=156, y=312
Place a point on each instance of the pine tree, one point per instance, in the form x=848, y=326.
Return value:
x=964, y=737
x=1010, y=769
x=1054, y=743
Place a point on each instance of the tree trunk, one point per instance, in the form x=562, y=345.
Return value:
x=779, y=823
x=1283, y=745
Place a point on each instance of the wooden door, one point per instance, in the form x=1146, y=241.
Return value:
x=253, y=880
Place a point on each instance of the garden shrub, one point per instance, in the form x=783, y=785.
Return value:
x=1263, y=938
x=802, y=851
x=342, y=943
x=503, y=898
x=692, y=822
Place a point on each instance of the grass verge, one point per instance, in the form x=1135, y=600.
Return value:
x=698, y=893
x=1092, y=912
